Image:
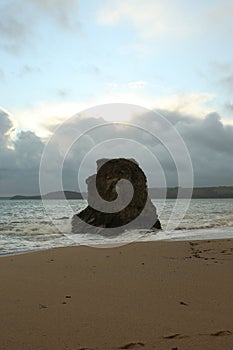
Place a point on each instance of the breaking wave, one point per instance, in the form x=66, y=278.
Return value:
x=24, y=225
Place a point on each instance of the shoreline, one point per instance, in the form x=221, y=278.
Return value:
x=145, y=295
x=121, y=244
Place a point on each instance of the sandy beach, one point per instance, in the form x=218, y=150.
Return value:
x=157, y=295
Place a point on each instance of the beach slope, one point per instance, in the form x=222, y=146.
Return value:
x=155, y=295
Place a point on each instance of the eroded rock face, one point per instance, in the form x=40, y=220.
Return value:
x=117, y=200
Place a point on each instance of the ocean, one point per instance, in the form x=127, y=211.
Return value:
x=25, y=225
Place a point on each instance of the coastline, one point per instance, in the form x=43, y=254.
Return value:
x=146, y=295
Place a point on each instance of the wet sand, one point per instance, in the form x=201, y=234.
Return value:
x=156, y=295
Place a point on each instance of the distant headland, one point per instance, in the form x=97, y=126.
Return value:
x=155, y=193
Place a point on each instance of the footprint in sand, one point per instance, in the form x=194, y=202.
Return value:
x=221, y=333
x=135, y=346
x=175, y=336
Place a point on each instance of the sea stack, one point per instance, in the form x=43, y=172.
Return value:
x=117, y=200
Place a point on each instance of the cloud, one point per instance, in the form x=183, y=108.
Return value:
x=28, y=149
x=131, y=85
x=219, y=17
x=43, y=117
x=59, y=10
x=209, y=141
x=6, y=126
x=19, y=159
x=154, y=18
x=139, y=84
x=63, y=93
x=227, y=81
x=221, y=75
x=13, y=27
x=19, y=20
x=150, y=18
x=209, y=134
x=195, y=104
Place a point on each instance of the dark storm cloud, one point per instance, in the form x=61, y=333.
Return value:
x=210, y=144
x=209, y=141
x=209, y=134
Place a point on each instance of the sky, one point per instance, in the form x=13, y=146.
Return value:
x=58, y=58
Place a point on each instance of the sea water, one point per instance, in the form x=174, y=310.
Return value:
x=28, y=225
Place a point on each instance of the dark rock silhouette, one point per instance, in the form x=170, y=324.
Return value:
x=117, y=200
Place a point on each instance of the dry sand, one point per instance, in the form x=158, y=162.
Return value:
x=159, y=295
